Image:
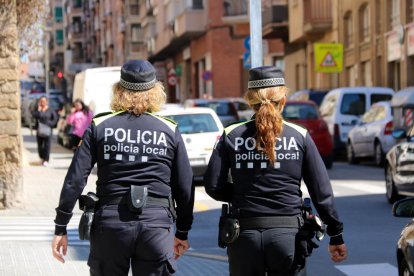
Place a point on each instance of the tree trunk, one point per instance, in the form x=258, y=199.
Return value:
x=10, y=123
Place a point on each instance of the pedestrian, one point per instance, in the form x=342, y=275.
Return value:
x=78, y=121
x=140, y=158
x=46, y=119
x=257, y=166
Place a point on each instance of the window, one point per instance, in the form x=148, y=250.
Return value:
x=369, y=116
x=380, y=97
x=366, y=75
x=194, y=123
x=235, y=7
x=299, y=112
x=378, y=15
x=197, y=4
x=410, y=10
x=349, y=34
x=58, y=14
x=364, y=19
x=395, y=14
x=381, y=113
x=353, y=104
x=137, y=33
x=59, y=37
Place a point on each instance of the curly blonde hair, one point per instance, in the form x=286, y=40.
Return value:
x=138, y=102
x=268, y=104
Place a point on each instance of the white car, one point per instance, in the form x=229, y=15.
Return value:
x=371, y=137
x=200, y=128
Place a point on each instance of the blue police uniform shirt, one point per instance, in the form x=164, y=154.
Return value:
x=259, y=188
x=130, y=150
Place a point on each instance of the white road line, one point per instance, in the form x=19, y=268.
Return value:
x=36, y=229
x=372, y=188
x=380, y=269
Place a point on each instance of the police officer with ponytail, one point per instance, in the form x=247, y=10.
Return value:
x=144, y=183
x=257, y=166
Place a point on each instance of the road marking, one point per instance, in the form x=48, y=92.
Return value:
x=36, y=229
x=372, y=188
x=380, y=269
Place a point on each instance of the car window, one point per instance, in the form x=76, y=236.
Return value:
x=242, y=106
x=299, y=112
x=317, y=97
x=380, y=97
x=194, y=123
x=328, y=105
x=353, y=104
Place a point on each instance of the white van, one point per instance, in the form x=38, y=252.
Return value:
x=342, y=107
x=94, y=87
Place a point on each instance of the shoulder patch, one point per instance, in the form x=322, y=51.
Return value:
x=170, y=123
x=300, y=129
x=231, y=127
x=99, y=118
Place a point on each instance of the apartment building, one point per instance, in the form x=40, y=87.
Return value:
x=377, y=38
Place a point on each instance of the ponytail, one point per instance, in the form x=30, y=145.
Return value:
x=268, y=104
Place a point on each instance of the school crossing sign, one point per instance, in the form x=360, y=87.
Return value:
x=328, y=57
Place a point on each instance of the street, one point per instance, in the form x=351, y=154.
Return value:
x=371, y=232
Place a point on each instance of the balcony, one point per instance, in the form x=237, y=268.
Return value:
x=275, y=22
x=317, y=16
x=189, y=24
x=235, y=11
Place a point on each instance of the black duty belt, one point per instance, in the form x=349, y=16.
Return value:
x=153, y=201
x=270, y=222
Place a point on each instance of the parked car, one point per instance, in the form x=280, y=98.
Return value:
x=306, y=113
x=200, y=129
x=399, y=167
x=309, y=95
x=405, y=245
x=229, y=110
x=371, y=137
x=342, y=107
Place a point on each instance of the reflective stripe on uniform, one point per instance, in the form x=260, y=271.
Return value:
x=300, y=129
x=230, y=128
x=99, y=120
x=170, y=123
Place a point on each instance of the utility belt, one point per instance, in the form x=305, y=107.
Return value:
x=136, y=200
x=309, y=226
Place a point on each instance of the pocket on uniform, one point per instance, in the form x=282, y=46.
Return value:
x=171, y=265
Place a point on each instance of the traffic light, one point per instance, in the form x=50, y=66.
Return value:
x=60, y=75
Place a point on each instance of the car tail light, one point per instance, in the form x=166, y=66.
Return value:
x=388, y=128
x=336, y=132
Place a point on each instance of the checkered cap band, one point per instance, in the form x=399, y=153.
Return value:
x=266, y=83
x=139, y=86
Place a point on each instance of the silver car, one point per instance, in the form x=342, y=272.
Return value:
x=371, y=137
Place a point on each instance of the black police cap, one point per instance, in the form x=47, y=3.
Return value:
x=137, y=75
x=265, y=76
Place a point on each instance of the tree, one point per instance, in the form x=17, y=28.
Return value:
x=17, y=24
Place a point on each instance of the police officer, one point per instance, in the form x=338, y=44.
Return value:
x=257, y=166
x=133, y=148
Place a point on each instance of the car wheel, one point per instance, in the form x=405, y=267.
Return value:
x=328, y=160
x=350, y=154
x=403, y=270
x=391, y=191
x=378, y=155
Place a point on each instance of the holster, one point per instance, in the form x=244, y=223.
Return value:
x=138, y=198
x=229, y=228
x=311, y=227
x=87, y=203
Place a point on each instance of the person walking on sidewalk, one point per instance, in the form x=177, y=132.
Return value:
x=46, y=119
x=79, y=120
x=257, y=166
x=143, y=168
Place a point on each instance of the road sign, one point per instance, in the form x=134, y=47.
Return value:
x=207, y=75
x=328, y=57
x=247, y=60
x=246, y=43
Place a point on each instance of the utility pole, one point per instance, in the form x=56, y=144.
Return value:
x=256, y=45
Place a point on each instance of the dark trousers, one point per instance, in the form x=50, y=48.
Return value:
x=270, y=252
x=121, y=240
x=43, y=147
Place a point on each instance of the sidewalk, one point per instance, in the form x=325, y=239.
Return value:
x=26, y=232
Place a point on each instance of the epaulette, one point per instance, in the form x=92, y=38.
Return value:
x=102, y=114
x=168, y=119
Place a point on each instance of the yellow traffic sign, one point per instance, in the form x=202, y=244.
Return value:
x=328, y=57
